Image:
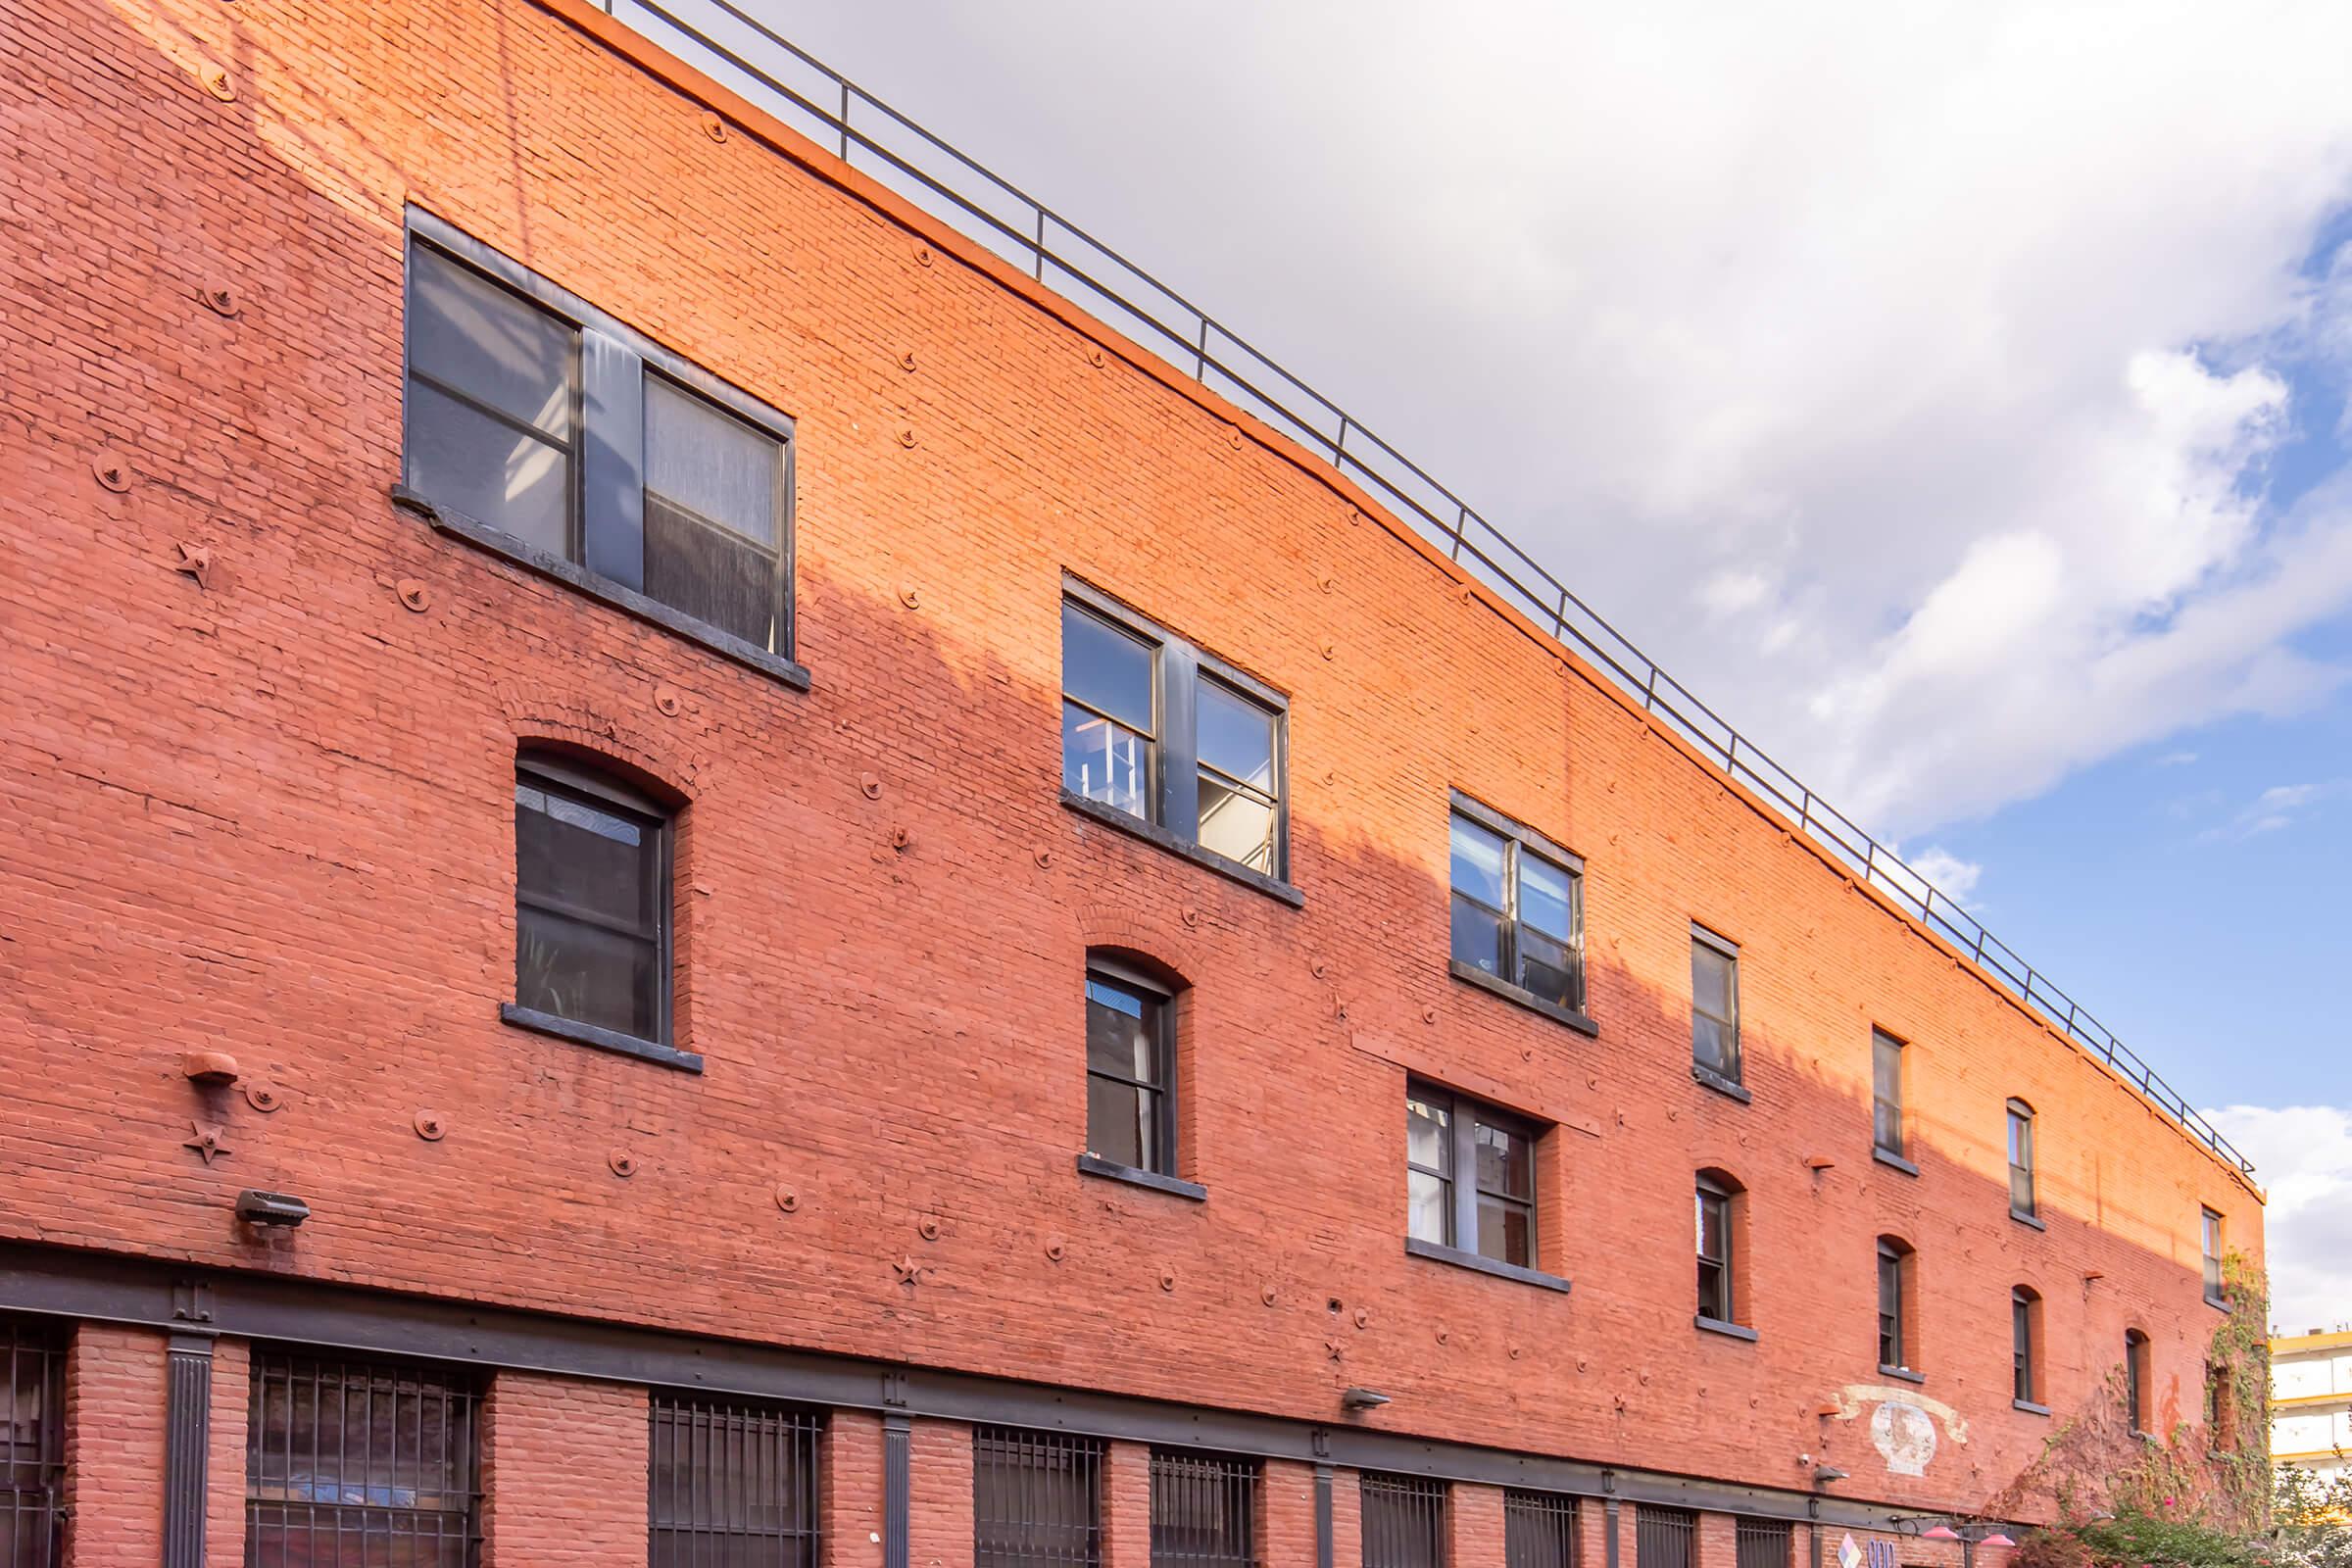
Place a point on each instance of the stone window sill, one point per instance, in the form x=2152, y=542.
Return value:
x=1893, y=1161
x=1416, y=1247
x=2029, y=1406
x=588, y=1033
x=2023, y=1218
x=1472, y=974
x=1152, y=833
x=1730, y=1088
x=1112, y=1170
x=1902, y=1374
x=1730, y=1330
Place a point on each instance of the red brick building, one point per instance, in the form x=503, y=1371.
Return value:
x=864, y=925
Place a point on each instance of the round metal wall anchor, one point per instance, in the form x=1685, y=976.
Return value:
x=668, y=702
x=430, y=1127
x=1331, y=650
x=622, y=1164
x=216, y=82
x=262, y=1097
x=1233, y=436
x=870, y=786
x=1445, y=1336
x=1094, y=356
x=1167, y=1281
x=1330, y=585
x=217, y=299
x=1429, y=1015
x=110, y=472
x=906, y=362
x=1363, y=1317
x=927, y=1229
x=922, y=256
x=712, y=126
x=910, y=597
x=414, y=594
x=1044, y=859
x=907, y=439
x=1055, y=1251
x=1266, y=1295
x=1190, y=917
x=902, y=839
x=786, y=1198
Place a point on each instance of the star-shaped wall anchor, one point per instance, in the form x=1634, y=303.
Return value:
x=203, y=1137
x=908, y=1271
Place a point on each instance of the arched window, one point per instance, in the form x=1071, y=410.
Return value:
x=1897, y=1267
x=592, y=904
x=2025, y=1337
x=1130, y=1062
x=2135, y=1378
x=1720, y=1209
x=2021, y=1159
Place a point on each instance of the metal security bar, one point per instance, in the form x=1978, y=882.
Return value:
x=353, y=1464
x=1403, y=1521
x=1763, y=1542
x=1037, y=1500
x=1204, y=1509
x=1539, y=1530
x=1662, y=1537
x=32, y=1425
x=730, y=1485
x=734, y=47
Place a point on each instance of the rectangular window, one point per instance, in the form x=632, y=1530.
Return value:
x=2210, y=1232
x=2135, y=1378
x=1037, y=1500
x=1158, y=730
x=1403, y=1521
x=1715, y=1252
x=1539, y=1530
x=532, y=412
x=1894, y=1264
x=1762, y=1543
x=1664, y=1536
x=2022, y=1304
x=1494, y=1213
x=1130, y=1056
x=592, y=912
x=730, y=1481
x=2021, y=1159
x=1204, y=1510
x=1715, y=1004
x=354, y=1463
x=1886, y=1093
x=1518, y=906
x=32, y=1425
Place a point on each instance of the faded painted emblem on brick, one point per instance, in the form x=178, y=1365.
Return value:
x=1849, y=1555
x=1905, y=1436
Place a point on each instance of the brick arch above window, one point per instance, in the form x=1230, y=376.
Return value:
x=669, y=768
x=1158, y=939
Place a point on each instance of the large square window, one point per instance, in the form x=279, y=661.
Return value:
x=1518, y=908
x=1470, y=1177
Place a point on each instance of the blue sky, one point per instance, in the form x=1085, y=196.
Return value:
x=1952, y=394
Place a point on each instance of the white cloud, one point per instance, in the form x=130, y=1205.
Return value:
x=2176, y=759
x=1935, y=351
x=1948, y=873
x=2275, y=808
x=2303, y=1154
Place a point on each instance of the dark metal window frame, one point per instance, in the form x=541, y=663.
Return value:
x=2212, y=1241
x=2137, y=1358
x=1540, y=1529
x=1762, y=1543
x=1719, y=1194
x=752, y=1454
x=545, y=769
x=284, y=1511
x=1204, y=1509
x=2024, y=1348
x=1464, y=1115
x=32, y=1362
x=1178, y=666
x=1733, y=1076
x=1160, y=1000
x=1665, y=1537
x=1896, y=1266
x=2024, y=1200
x=1402, y=1520
x=1025, y=1464
x=1886, y=1099
x=606, y=508
x=1521, y=840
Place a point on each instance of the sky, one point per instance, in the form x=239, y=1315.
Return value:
x=1953, y=394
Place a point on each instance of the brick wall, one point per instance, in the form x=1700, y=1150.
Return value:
x=114, y=1447
x=564, y=1472
x=268, y=811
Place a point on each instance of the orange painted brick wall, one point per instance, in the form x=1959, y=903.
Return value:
x=268, y=811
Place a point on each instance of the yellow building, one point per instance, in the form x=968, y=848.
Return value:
x=2311, y=1402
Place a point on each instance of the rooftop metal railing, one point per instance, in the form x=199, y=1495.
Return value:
x=879, y=142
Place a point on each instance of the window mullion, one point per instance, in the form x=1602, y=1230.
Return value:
x=1179, y=742
x=611, y=499
x=1465, y=1178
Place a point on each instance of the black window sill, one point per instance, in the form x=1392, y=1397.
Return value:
x=1415, y=1247
x=2217, y=1303
x=588, y=1033
x=2029, y=1406
x=604, y=590
x=1472, y=974
x=1112, y=1170
x=2023, y=1218
x=1893, y=1161
x=1152, y=833
x=1730, y=1330
x=1730, y=1088
x=1904, y=1373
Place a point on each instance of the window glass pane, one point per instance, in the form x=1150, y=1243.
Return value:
x=1710, y=1292
x=569, y=851
x=1504, y=1230
x=1236, y=736
x=1477, y=864
x=1106, y=668
x=712, y=465
x=1887, y=1127
x=468, y=333
x=1887, y=1069
x=1710, y=981
x=1477, y=937
x=1711, y=1227
x=1711, y=1044
x=1427, y=1139
x=1121, y=1123
x=715, y=576
x=1547, y=969
x=1428, y=1201
x=586, y=973
x=1505, y=1161
x=2021, y=1140
x=1120, y=1031
x=1237, y=825
x=471, y=464
x=1105, y=761
x=1544, y=897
